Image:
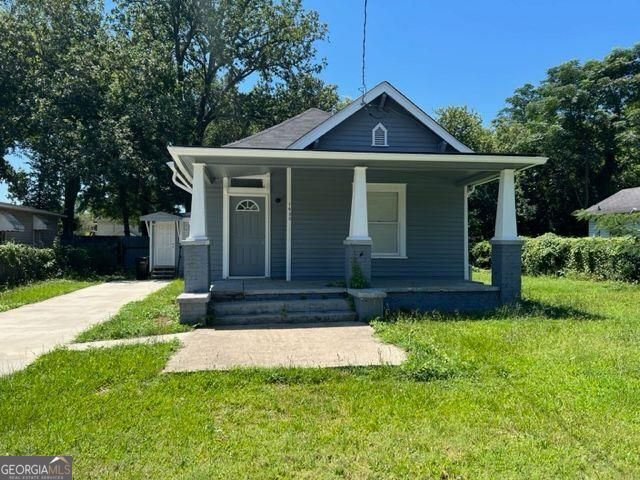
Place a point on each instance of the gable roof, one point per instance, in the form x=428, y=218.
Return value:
x=626, y=200
x=284, y=134
x=382, y=88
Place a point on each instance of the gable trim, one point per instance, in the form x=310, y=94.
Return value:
x=356, y=105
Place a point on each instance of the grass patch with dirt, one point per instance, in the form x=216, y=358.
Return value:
x=157, y=314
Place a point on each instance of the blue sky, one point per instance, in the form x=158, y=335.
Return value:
x=473, y=53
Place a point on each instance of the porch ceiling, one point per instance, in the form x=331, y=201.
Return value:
x=460, y=168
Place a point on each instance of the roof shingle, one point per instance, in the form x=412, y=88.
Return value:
x=625, y=201
x=284, y=134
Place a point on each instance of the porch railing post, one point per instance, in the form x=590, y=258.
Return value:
x=358, y=243
x=506, y=246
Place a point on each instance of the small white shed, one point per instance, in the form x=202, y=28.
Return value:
x=166, y=230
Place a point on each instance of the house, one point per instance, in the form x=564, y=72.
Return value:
x=166, y=231
x=104, y=227
x=28, y=225
x=373, y=196
x=626, y=201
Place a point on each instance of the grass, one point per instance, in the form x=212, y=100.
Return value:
x=550, y=389
x=157, y=314
x=38, y=291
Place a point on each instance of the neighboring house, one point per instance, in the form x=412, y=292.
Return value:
x=626, y=201
x=166, y=231
x=28, y=225
x=375, y=195
x=103, y=227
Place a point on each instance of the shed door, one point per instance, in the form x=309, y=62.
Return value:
x=246, y=237
x=164, y=244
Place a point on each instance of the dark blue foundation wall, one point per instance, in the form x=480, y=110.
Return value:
x=443, y=301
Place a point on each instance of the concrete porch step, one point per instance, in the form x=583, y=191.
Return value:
x=280, y=306
x=292, y=317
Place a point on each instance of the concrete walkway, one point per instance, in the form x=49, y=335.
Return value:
x=31, y=330
x=311, y=345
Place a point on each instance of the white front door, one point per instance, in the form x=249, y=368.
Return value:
x=164, y=244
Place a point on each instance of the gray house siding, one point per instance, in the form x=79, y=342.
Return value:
x=320, y=223
x=278, y=223
x=214, y=227
x=27, y=236
x=321, y=201
x=404, y=132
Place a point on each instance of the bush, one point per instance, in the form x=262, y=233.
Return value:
x=21, y=264
x=616, y=258
x=481, y=254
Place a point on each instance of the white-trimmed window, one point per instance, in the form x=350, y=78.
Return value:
x=379, y=136
x=387, y=213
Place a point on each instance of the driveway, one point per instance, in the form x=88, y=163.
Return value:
x=32, y=330
x=310, y=345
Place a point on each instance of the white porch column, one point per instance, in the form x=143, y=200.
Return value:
x=198, y=223
x=506, y=228
x=359, y=223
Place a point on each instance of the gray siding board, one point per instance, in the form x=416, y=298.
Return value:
x=404, y=132
x=320, y=222
x=435, y=225
x=278, y=223
x=214, y=227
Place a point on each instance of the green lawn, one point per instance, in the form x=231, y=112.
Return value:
x=38, y=291
x=547, y=390
x=157, y=314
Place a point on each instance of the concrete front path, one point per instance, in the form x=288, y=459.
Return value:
x=311, y=345
x=31, y=330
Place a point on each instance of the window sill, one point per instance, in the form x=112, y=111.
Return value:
x=390, y=257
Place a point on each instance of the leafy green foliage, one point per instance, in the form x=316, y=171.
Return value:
x=357, y=279
x=20, y=264
x=617, y=224
x=615, y=258
x=157, y=314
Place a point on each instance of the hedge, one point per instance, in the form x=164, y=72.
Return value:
x=20, y=264
x=615, y=258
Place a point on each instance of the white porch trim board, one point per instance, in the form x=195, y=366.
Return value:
x=359, y=221
x=198, y=229
x=506, y=225
x=466, y=233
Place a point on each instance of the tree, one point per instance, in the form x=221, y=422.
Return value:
x=58, y=42
x=584, y=117
x=466, y=125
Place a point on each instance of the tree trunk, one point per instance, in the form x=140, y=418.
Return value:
x=124, y=209
x=71, y=190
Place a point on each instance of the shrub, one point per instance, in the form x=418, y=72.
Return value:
x=21, y=264
x=616, y=258
x=481, y=254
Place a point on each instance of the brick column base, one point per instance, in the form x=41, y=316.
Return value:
x=357, y=256
x=506, y=269
x=196, y=266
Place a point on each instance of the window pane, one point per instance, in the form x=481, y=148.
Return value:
x=383, y=206
x=384, y=237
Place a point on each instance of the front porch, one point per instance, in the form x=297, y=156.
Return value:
x=383, y=230
x=267, y=301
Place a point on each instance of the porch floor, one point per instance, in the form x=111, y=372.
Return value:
x=266, y=286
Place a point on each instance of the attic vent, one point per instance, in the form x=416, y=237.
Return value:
x=379, y=136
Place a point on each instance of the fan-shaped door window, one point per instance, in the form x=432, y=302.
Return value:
x=247, y=206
